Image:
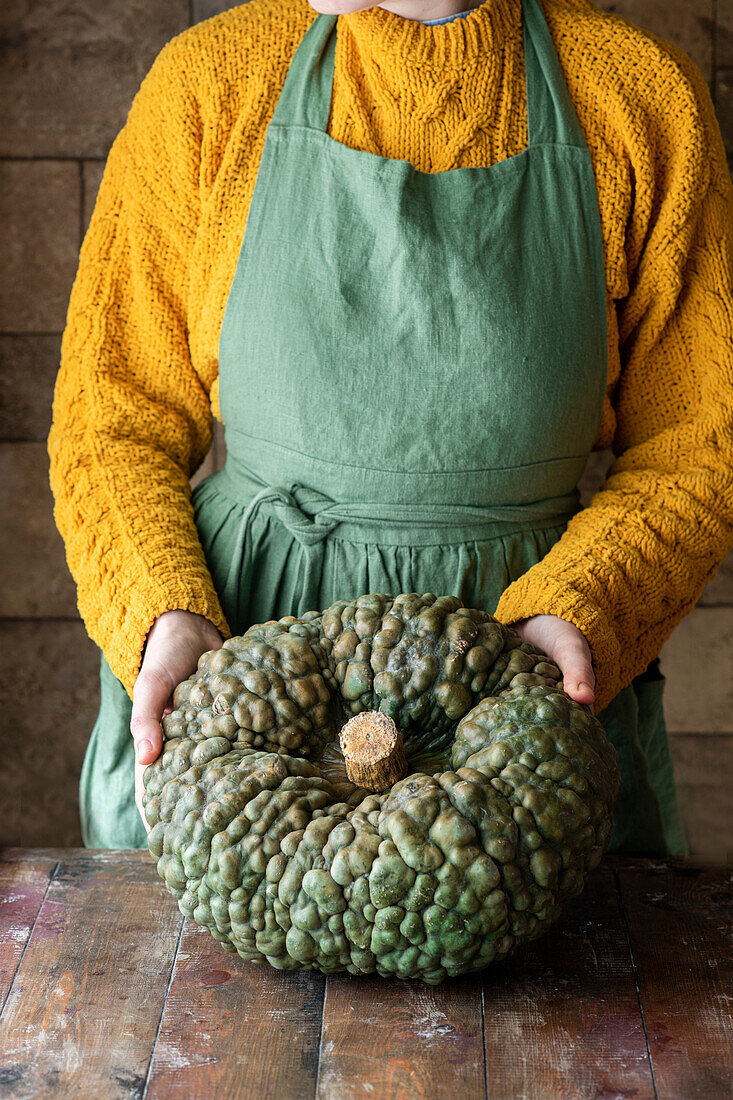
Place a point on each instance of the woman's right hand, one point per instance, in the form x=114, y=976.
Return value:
x=175, y=642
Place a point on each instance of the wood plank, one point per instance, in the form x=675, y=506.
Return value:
x=23, y=887
x=11, y=854
x=82, y=1013
x=235, y=1028
x=562, y=1015
x=407, y=1039
x=680, y=922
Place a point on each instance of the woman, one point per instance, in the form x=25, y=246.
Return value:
x=479, y=244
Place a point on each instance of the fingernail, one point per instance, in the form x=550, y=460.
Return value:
x=143, y=748
x=583, y=684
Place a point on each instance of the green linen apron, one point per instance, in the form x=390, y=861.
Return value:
x=412, y=373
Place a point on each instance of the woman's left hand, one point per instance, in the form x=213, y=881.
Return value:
x=174, y=644
x=566, y=646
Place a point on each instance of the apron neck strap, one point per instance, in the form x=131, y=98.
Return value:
x=551, y=117
x=305, y=99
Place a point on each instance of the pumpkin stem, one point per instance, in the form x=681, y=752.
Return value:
x=373, y=750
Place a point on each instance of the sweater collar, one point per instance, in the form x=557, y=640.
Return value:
x=484, y=31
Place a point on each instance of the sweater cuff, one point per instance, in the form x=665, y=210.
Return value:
x=125, y=640
x=529, y=595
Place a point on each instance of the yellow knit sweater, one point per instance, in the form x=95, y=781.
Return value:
x=137, y=384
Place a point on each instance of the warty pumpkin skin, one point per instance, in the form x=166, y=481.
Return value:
x=261, y=837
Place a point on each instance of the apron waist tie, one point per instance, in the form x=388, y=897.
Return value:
x=310, y=516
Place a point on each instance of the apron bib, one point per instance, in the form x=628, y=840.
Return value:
x=412, y=372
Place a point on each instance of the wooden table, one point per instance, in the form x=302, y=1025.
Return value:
x=107, y=992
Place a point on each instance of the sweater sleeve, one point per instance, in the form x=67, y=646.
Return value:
x=634, y=562
x=131, y=418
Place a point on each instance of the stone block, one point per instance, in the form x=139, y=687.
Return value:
x=39, y=246
x=72, y=67
x=719, y=591
x=204, y=9
x=704, y=774
x=723, y=91
x=49, y=695
x=724, y=34
x=36, y=580
x=724, y=107
x=28, y=369
x=697, y=661
x=92, y=172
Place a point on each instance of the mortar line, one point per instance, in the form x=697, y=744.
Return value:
x=39, y=618
x=70, y=159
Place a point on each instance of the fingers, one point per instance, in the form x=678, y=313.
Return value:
x=572, y=656
x=579, y=686
x=151, y=698
x=173, y=646
x=566, y=645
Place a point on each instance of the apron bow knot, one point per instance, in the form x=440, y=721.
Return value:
x=288, y=504
x=309, y=530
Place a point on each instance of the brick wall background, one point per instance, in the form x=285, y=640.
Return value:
x=70, y=70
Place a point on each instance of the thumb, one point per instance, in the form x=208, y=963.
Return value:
x=572, y=655
x=150, y=697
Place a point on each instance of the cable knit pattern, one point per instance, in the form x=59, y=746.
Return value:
x=137, y=385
